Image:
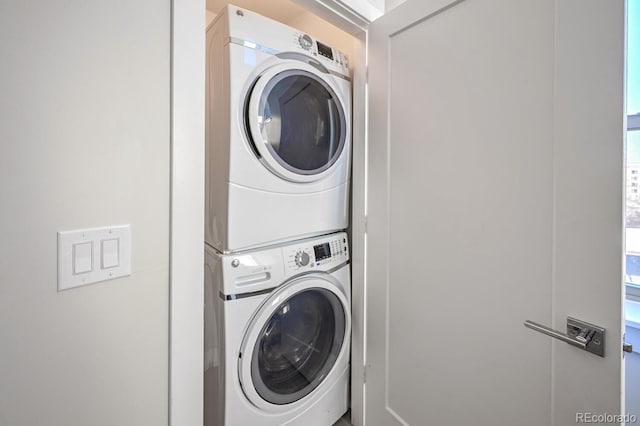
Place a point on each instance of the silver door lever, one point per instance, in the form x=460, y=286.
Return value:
x=579, y=333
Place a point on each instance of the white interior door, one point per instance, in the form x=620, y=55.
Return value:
x=495, y=197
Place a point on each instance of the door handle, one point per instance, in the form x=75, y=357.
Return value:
x=579, y=333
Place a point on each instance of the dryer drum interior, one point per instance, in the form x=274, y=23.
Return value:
x=301, y=121
x=298, y=345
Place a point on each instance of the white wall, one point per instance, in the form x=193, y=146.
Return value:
x=84, y=114
x=390, y=4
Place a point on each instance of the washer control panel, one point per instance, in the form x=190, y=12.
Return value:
x=321, y=253
x=302, y=258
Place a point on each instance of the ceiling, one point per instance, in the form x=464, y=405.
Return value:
x=281, y=10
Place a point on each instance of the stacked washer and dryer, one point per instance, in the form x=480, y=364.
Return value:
x=277, y=277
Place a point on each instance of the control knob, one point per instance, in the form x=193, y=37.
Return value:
x=302, y=258
x=305, y=41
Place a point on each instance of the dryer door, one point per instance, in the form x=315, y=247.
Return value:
x=296, y=121
x=294, y=341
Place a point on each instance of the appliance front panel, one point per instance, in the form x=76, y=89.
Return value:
x=294, y=342
x=297, y=346
x=296, y=121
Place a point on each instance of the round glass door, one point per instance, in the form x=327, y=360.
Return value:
x=300, y=122
x=298, y=345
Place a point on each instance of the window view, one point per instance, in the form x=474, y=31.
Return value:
x=633, y=152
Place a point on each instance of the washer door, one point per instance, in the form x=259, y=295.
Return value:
x=293, y=342
x=296, y=122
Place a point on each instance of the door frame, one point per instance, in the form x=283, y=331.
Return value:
x=186, y=276
x=186, y=258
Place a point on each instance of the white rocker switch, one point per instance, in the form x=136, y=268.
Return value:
x=110, y=253
x=82, y=258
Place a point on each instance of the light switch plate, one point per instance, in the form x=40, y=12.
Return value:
x=114, y=262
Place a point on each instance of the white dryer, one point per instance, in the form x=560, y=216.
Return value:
x=278, y=133
x=277, y=334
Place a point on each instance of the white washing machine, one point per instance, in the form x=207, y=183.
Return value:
x=277, y=334
x=278, y=133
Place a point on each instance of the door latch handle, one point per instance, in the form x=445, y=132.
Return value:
x=579, y=333
x=627, y=347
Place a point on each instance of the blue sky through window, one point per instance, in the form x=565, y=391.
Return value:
x=633, y=59
x=633, y=76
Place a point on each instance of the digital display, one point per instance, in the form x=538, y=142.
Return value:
x=325, y=50
x=322, y=251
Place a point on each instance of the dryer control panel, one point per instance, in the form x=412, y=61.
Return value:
x=322, y=253
x=254, y=31
x=323, y=52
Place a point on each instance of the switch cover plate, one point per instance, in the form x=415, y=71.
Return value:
x=88, y=256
